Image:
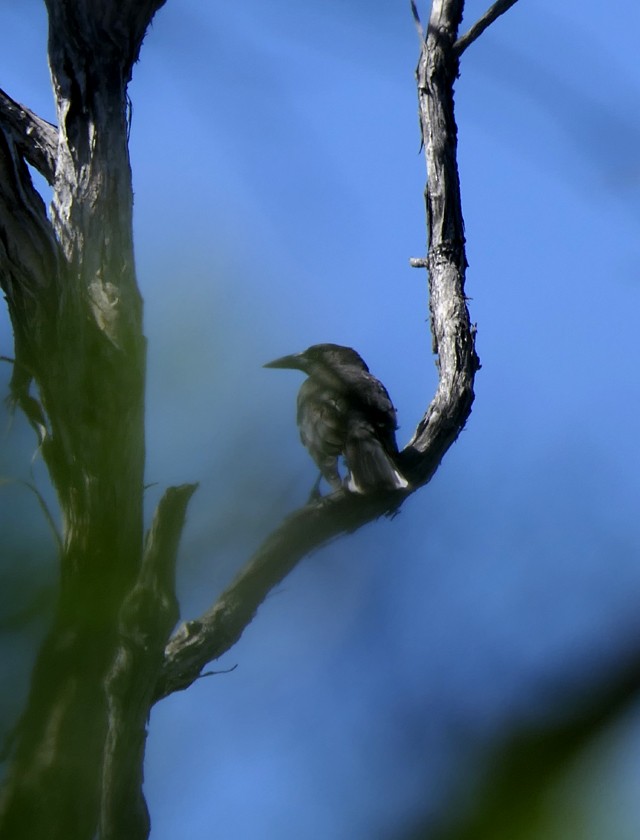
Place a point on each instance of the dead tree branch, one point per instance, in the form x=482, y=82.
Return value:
x=76, y=314
x=198, y=642
x=216, y=631
x=35, y=138
x=498, y=8
x=147, y=618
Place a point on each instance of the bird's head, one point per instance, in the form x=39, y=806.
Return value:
x=318, y=356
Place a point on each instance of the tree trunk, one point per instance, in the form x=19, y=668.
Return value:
x=77, y=318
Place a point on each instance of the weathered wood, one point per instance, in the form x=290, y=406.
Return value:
x=80, y=375
x=475, y=31
x=216, y=631
x=148, y=616
x=35, y=138
x=212, y=634
x=452, y=333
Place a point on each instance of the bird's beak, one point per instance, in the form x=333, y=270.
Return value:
x=294, y=362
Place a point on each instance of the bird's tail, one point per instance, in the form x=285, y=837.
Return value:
x=371, y=468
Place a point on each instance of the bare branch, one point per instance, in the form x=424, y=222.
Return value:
x=417, y=21
x=200, y=641
x=29, y=245
x=35, y=138
x=452, y=332
x=29, y=260
x=498, y=8
x=157, y=573
x=148, y=615
x=215, y=632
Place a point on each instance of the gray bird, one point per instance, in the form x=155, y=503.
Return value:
x=344, y=410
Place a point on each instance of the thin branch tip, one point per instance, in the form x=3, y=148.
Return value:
x=217, y=673
x=417, y=21
x=472, y=34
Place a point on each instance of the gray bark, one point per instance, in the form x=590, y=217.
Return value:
x=79, y=376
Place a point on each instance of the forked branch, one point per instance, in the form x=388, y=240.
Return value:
x=214, y=633
x=498, y=8
x=35, y=138
x=198, y=642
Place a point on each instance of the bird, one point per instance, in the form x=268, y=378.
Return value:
x=342, y=409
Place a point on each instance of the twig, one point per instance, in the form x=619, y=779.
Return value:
x=217, y=673
x=417, y=21
x=48, y=515
x=498, y=8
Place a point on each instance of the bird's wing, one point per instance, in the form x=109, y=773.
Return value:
x=321, y=418
x=321, y=421
x=371, y=395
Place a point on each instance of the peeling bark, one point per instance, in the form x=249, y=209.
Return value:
x=79, y=375
x=35, y=138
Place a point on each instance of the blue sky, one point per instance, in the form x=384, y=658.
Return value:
x=278, y=198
